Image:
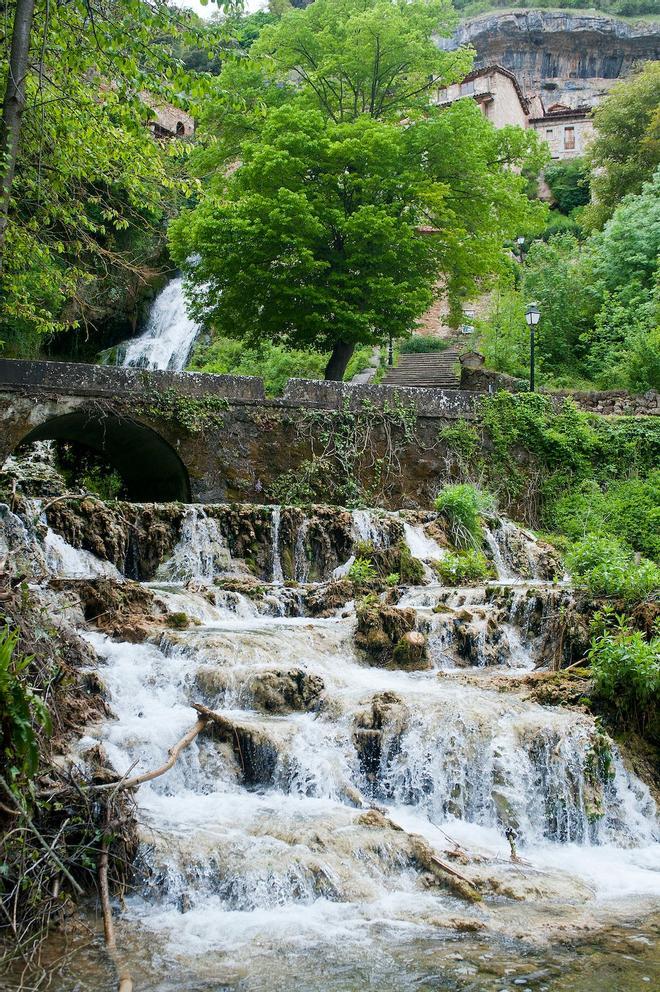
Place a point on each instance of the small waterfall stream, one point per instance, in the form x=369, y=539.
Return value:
x=168, y=336
x=293, y=843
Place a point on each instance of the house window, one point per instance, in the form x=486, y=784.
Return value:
x=549, y=133
x=467, y=89
x=569, y=137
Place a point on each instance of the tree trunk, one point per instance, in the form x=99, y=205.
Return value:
x=12, y=108
x=339, y=359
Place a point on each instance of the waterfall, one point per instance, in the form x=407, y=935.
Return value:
x=201, y=552
x=292, y=833
x=300, y=552
x=278, y=575
x=168, y=336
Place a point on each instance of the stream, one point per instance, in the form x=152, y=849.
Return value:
x=294, y=852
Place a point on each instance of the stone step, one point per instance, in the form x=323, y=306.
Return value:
x=428, y=370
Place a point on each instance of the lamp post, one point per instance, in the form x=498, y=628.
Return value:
x=390, y=351
x=521, y=249
x=532, y=316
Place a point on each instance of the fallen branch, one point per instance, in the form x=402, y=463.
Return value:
x=173, y=754
x=123, y=974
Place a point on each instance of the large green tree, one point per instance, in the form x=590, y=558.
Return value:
x=626, y=149
x=315, y=242
x=85, y=188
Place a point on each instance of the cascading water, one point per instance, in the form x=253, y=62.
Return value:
x=168, y=336
x=290, y=844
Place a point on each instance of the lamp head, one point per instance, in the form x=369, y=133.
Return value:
x=532, y=315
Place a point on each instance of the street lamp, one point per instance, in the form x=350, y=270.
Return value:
x=532, y=316
x=521, y=248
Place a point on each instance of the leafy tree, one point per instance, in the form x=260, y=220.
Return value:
x=375, y=57
x=314, y=242
x=626, y=150
x=556, y=276
x=91, y=187
x=569, y=184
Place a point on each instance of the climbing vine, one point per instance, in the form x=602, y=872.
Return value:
x=195, y=413
x=355, y=455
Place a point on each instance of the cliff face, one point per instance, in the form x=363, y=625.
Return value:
x=567, y=57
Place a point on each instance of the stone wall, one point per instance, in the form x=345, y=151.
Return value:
x=209, y=438
x=616, y=402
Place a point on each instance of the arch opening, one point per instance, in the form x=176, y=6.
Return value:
x=150, y=469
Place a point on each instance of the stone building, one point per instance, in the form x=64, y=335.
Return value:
x=168, y=121
x=567, y=131
x=501, y=99
x=497, y=92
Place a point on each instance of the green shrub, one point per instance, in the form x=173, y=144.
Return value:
x=361, y=571
x=418, y=344
x=461, y=438
x=626, y=669
x=393, y=579
x=21, y=712
x=606, y=568
x=466, y=566
x=463, y=507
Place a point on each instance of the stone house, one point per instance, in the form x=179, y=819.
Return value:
x=497, y=92
x=168, y=121
x=567, y=131
x=501, y=99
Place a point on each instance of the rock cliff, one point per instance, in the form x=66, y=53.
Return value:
x=567, y=57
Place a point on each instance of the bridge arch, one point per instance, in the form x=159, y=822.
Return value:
x=151, y=469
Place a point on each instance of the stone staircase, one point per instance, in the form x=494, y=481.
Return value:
x=430, y=370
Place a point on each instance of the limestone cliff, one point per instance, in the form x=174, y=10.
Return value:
x=565, y=56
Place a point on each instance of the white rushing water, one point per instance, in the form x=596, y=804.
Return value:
x=168, y=335
x=259, y=841
x=297, y=834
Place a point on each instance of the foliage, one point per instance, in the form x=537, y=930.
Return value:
x=463, y=506
x=626, y=150
x=625, y=8
x=626, y=509
x=569, y=183
x=361, y=571
x=599, y=302
x=275, y=364
x=314, y=240
x=606, y=568
x=195, y=413
x=461, y=438
x=626, y=670
x=21, y=711
x=90, y=180
x=419, y=344
x=359, y=57
x=466, y=566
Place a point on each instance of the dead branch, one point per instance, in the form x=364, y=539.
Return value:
x=173, y=754
x=123, y=974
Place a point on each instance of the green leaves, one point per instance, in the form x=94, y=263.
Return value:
x=626, y=669
x=354, y=57
x=21, y=711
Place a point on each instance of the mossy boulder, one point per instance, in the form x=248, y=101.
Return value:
x=380, y=628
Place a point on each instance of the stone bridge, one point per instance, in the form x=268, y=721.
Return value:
x=214, y=438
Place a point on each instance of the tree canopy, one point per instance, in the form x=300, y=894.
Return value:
x=92, y=188
x=314, y=241
x=626, y=148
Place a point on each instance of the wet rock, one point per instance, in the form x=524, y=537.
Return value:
x=211, y=684
x=325, y=600
x=377, y=734
x=380, y=629
x=124, y=610
x=410, y=652
x=286, y=691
